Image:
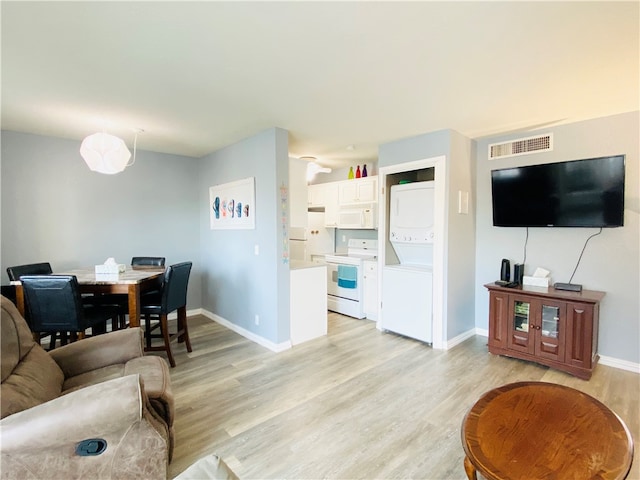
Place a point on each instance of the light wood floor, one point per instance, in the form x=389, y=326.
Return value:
x=357, y=404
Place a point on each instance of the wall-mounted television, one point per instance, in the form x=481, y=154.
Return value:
x=577, y=193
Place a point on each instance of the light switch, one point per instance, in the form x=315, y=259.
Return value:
x=463, y=202
x=256, y=249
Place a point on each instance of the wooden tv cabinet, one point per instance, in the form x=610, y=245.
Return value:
x=552, y=327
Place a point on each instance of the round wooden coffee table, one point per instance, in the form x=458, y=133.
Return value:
x=530, y=430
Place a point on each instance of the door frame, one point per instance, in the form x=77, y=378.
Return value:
x=439, y=164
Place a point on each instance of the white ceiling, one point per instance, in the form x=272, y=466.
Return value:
x=197, y=76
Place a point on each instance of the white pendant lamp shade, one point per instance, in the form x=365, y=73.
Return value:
x=313, y=168
x=105, y=153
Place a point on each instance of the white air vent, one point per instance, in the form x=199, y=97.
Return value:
x=522, y=146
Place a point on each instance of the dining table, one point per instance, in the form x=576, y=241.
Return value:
x=133, y=282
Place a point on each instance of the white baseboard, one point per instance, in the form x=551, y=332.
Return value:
x=483, y=332
x=452, y=342
x=604, y=360
x=274, y=347
x=621, y=364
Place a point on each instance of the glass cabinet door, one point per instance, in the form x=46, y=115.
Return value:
x=521, y=316
x=550, y=320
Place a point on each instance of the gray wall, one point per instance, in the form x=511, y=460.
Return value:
x=237, y=284
x=611, y=260
x=55, y=209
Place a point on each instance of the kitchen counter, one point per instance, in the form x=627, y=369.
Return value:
x=308, y=301
x=299, y=264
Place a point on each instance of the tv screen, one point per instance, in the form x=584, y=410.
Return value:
x=578, y=193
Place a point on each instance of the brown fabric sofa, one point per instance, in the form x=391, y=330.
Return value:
x=98, y=388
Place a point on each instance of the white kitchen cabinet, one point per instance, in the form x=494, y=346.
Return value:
x=316, y=195
x=359, y=190
x=331, y=205
x=308, y=301
x=325, y=195
x=370, y=289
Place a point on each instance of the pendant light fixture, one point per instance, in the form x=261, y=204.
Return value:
x=314, y=168
x=108, y=154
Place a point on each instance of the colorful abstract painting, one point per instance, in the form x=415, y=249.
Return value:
x=232, y=205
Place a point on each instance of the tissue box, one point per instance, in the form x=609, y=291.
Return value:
x=535, y=281
x=111, y=268
x=109, y=271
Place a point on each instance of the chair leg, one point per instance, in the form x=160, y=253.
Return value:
x=164, y=327
x=147, y=330
x=182, y=327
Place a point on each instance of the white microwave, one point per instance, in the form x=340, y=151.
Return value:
x=362, y=217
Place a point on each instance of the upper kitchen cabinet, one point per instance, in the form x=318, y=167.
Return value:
x=361, y=190
x=316, y=195
x=297, y=192
x=331, y=205
x=325, y=196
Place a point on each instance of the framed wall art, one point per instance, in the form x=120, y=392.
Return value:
x=233, y=205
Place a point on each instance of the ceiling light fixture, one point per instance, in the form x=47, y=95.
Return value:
x=108, y=154
x=314, y=168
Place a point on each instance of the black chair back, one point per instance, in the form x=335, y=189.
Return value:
x=174, y=288
x=31, y=269
x=148, y=261
x=54, y=303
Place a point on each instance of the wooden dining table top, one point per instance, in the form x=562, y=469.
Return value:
x=134, y=281
x=131, y=275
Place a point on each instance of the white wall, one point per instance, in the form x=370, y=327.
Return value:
x=611, y=262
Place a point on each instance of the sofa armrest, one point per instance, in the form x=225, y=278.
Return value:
x=41, y=442
x=100, y=351
x=94, y=411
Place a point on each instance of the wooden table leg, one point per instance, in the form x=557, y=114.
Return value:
x=134, y=305
x=470, y=469
x=20, y=300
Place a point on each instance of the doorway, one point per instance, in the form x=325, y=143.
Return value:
x=427, y=169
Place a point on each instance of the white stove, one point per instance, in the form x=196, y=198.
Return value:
x=345, y=277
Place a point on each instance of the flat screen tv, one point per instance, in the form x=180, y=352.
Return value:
x=578, y=193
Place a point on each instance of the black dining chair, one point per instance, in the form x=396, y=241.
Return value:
x=43, y=268
x=55, y=305
x=120, y=300
x=158, y=305
x=14, y=273
x=147, y=261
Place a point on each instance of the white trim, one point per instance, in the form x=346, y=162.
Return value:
x=483, y=332
x=604, y=360
x=274, y=347
x=621, y=364
x=460, y=338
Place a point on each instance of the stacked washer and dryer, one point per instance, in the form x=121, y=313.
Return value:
x=407, y=287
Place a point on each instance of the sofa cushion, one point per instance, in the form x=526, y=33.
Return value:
x=92, y=377
x=17, y=339
x=29, y=375
x=37, y=379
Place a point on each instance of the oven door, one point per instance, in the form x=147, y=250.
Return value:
x=336, y=290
